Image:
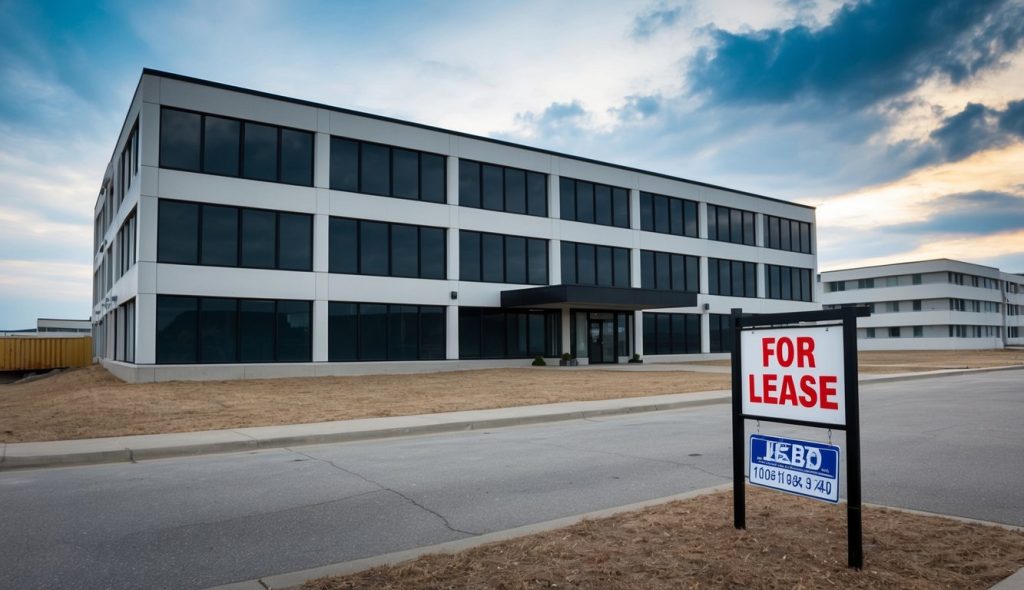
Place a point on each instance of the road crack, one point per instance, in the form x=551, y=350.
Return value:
x=385, y=488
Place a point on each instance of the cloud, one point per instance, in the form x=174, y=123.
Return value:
x=645, y=25
x=870, y=51
x=1011, y=120
x=974, y=213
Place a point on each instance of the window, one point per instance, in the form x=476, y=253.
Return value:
x=871, y=332
x=916, y=279
x=730, y=225
x=894, y=332
x=918, y=331
x=787, y=234
x=866, y=284
x=663, y=270
x=732, y=278
x=668, y=215
x=217, y=235
x=495, y=333
x=917, y=305
x=386, y=249
x=496, y=258
x=720, y=333
x=837, y=286
x=671, y=333
x=892, y=281
x=588, y=264
x=227, y=330
x=499, y=188
x=784, y=282
x=197, y=142
x=593, y=203
x=127, y=249
x=358, y=166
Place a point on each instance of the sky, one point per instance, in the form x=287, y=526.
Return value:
x=902, y=121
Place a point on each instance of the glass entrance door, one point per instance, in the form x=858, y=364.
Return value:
x=601, y=341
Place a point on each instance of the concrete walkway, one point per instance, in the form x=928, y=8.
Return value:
x=156, y=446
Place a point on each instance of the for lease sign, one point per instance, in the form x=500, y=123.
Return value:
x=794, y=373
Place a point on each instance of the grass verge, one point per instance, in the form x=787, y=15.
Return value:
x=789, y=543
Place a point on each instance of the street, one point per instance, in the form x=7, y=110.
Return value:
x=951, y=445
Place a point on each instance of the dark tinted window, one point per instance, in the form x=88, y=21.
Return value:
x=221, y=138
x=373, y=332
x=504, y=259
x=259, y=235
x=220, y=236
x=493, y=184
x=342, y=331
x=494, y=333
x=620, y=207
x=296, y=157
x=515, y=191
x=647, y=269
x=787, y=234
x=603, y=204
x=373, y=248
x=567, y=198
x=374, y=169
x=294, y=332
x=785, y=282
x=295, y=246
x=732, y=277
x=432, y=253
x=515, y=260
x=343, y=248
x=537, y=253
x=256, y=330
x=178, y=232
x=621, y=261
x=344, y=165
x=260, y=152
x=403, y=332
x=432, y=185
x=493, y=257
x=469, y=256
x=432, y=332
x=179, y=139
x=176, y=320
x=662, y=223
x=671, y=333
x=594, y=203
x=604, y=266
x=647, y=219
x=405, y=176
x=469, y=184
x=536, y=194
x=568, y=263
x=404, y=251
x=218, y=339
x=585, y=202
x=731, y=225
x=676, y=217
x=663, y=270
x=585, y=264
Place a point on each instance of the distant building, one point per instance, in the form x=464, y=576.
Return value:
x=242, y=234
x=54, y=328
x=930, y=304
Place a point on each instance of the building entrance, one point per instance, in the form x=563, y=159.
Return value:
x=601, y=345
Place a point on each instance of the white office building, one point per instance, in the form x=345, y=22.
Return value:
x=241, y=234
x=930, y=304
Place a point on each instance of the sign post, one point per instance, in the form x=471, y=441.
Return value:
x=788, y=370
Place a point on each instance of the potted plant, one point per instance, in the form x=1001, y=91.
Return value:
x=567, y=360
x=636, y=358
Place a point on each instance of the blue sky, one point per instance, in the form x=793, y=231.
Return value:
x=901, y=120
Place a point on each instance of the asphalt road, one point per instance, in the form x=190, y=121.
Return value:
x=953, y=445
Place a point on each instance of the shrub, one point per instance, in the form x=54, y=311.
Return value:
x=538, y=361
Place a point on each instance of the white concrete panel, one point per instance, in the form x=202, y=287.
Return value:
x=145, y=329
x=322, y=160
x=218, y=101
x=147, y=220
x=211, y=281
x=320, y=334
x=391, y=133
x=451, y=345
x=389, y=290
x=239, y=192
x=343, y=204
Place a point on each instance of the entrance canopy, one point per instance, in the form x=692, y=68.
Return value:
x=583, y=297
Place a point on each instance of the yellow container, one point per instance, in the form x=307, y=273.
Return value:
x=35, y=354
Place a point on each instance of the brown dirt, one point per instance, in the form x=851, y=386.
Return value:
x=789, y=543
x=90, y=402
x=913, y=361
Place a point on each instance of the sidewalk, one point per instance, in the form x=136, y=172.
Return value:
x=156, y=446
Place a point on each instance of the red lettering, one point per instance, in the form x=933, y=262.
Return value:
x=785, y=351
x=766, y=350
x=828, y=389
x=788, y=395
x=805, y=351
x=754, y=398
x=769, y=388
x=808, y=397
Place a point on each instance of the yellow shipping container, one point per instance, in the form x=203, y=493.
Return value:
x=35, y=354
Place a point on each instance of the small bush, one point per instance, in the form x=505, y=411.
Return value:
x=566, y=356
x=538, y=361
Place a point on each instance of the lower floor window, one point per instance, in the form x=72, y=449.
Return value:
x=228, y=330
x=495, y=333
x=720, y=335
x=671, y=333
x=385, y=332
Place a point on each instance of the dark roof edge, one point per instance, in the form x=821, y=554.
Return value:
x=309, y=103
x=909, y=262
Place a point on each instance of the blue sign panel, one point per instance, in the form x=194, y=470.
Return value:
x=800, y=467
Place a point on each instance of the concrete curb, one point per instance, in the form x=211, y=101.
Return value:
x=291, y=579
x=160, y=446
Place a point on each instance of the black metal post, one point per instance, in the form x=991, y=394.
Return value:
x=855, y=546
x=738, y=449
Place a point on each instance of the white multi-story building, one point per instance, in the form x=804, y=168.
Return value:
x=929, y=304
x=242, y=234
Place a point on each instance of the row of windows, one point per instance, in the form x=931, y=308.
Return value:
x=731, y=225
x=732, y=278
x=898, y=332
x=892, y=281
x=720, y=334
x=197, y=142
x=974, y=331
x=226, y=330
x=671, y=333
x=496, y=333
x=668, y=215
x=127, y=249
x=386, y=249
x=380, y=332
x=663, y=270
x=973, y=306
x=500, y=188
x=375, y=169
x=1013, y=332
x=218, y=235
x=496, y=258
x=593, y=203
x=128, y=164
x=958, y=278
x=784, y=282
x=787, y=234
x=587, y=264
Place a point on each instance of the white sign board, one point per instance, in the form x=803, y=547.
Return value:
x=794, y=373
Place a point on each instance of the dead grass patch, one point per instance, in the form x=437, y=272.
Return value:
x=789, y=543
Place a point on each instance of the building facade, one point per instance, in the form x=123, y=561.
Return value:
x=930, y=304
x=241, y=234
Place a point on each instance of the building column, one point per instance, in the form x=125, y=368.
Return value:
x=451, y=348
x=145, y=329
x=554, y=262
x=705, y=332
x=704, y=286
x=566, y=331
x=634, y=208
x=554, y=197
x=762, y=290
x=320, y=342
x=759, y=237
x=322, y=163
x=702, y=220
x=321, y=242
x=638, y=333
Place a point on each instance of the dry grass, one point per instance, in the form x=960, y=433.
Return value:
x=914, y=361
x=90, y=402
x=789, y=543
